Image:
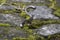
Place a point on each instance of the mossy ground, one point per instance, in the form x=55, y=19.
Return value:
x=34, y=23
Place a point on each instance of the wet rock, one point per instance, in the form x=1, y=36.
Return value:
x=40, y=12
x=49, y=29
x=12, y=19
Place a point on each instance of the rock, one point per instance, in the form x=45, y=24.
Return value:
x=40, y=12
x=6, y=7
x=11, y=1
x=13, y=19
x=27, y=0
x=22, y=0
x=49, y=29
x=39, y=0
x=12, y=32
x=58, y=2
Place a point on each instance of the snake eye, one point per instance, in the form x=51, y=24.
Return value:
x=30, y=9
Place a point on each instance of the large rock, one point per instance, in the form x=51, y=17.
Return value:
x=49, y=29
x=40, y=12
x=13, y=19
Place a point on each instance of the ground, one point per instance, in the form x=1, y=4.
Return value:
x=17, y=24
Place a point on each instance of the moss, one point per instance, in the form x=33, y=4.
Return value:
x=38, y=23
x=34, y=23
x=4, y=25
x=31, y=37
x=2, y=2
x=54, y=37
x=18, y=38
x=1, y=35
x=57, y=12
x=5, y=39
x=23, y=14
x=52, y=3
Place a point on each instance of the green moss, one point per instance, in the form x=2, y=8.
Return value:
x=5, y=39
x=57, y=12
x=54, y=37
x=31, y=37
x=4, y=25
x=38, y=23
x=2, y=2
x=23, y=14
x=18, y=38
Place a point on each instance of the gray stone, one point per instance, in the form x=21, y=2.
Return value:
x=39, y=12
x=27, y=0
x=11, y=1
x=58, y=2
x=22, y=0
x=42, y=1
x=13, y=19
x=6, y=7
x=49, y=29
x=12, y=32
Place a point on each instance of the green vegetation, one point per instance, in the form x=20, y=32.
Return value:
x=57, y=12
x=34, y=23
x=4, y=25
x=2, y=2
x=19, y=38
x=43, y=22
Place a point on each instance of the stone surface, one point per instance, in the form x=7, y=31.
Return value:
x=27, y=0
x=39, y=12
x=58, y=2
x=49, y=29
x=7, y=7
x=13, y=19
x=11, y=32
